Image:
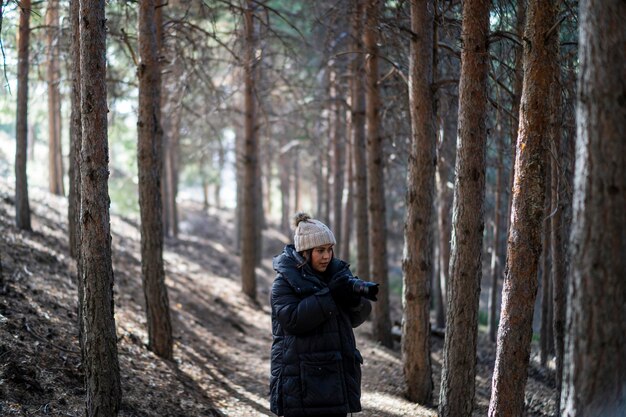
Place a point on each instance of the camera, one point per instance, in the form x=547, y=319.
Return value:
x=365, y=289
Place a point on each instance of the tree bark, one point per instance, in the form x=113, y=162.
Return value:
x=284, y=176
x=339, y=156
x=524, y=242
x=55, y=154
x=22, y=207
x=172, y=94
x=348, y=213
x=558, y=191
x=172, y=155
x=495, y=250
x=595, y=364
x=546, y=336
x=459, y=357
x=417, y=263
x=375, y=174
x=149, y=163
x=446, y=159
x=74, y=159
x=357, y=91
x=102, y=372
x=296, y=179
x=249, y=218
x=75, y=136
x=221, y=162
x=517, y=88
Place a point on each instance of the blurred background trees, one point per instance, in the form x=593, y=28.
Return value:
x=270, y=107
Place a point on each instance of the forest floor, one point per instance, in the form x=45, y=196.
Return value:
x=222, y=338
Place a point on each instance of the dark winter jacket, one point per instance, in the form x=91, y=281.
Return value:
x=315, y=367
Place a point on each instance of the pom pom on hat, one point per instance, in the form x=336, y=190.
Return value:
x=311, y=233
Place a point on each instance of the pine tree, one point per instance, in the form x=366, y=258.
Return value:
x=594, y=365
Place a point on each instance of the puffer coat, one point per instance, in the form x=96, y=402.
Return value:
x=315, y=365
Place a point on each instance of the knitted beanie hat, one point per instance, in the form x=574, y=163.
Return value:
x=311, y=233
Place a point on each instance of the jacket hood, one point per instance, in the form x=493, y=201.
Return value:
x=290, y=260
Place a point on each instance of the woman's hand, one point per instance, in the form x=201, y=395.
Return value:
x=341, y=289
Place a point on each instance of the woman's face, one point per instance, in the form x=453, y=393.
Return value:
x=321, y=256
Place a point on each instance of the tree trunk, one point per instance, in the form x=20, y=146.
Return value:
x=566, y=158
x=260, y=219
x=296, y=180
x=74, y=159
x=375, y=174
x=239, y=167
x=55, y=155
x=149, y=163
x=437, y=290
x=446, y=159
x=357, y=91
x=249, y=216
x=173, y=157
x=349, y=206
x=325, y=157
x=339, y=156
x=418, y=263
x=459, y=357
x=519, y=80
x=558, y=180
x=22, y=207
x=495, y=250
x=595, y=368
x=524, y=243
x=172, y=94
x=204, y=161
x=102, y=372
x=545, y=333
x=284, y=177
x=75, y=136
x=221, y=162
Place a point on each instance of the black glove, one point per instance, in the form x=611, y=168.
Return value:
x=341, y=289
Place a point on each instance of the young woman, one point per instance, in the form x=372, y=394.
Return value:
x=316, y=301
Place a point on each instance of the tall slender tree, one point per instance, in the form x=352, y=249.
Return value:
x=250, y=160
x=518, y=83
x=74, y=159
x=595, y=368
x=417, y=263
x=102, y=372
x=456, y=397
x=546, y=337
x=149, y=163
x=524, y=244
x=375, y=176
x=75, y=135
x=495, y=248
x=348, y=208
x=55, y=154
x=339, y=152
x=446, y=159
x=284, y=175
x=22, y=207
x=559, y=203
x=357, y=94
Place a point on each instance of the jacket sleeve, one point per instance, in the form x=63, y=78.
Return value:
x=360, y=313
x=300, y=315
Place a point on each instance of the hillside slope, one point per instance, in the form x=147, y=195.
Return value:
x=222, y=338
